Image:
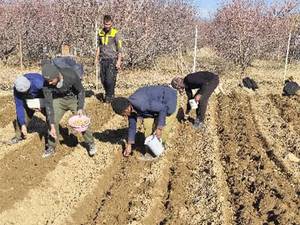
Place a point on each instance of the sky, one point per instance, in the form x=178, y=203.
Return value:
x=208, y=7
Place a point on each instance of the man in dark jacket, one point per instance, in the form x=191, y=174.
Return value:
x=206, y=83
x=28, y=86
x=156, y=102
x=63, y=91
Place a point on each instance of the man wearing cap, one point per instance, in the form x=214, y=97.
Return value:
x=63, y=91
x=27, y=86
x=206, y=82
x=158, y=102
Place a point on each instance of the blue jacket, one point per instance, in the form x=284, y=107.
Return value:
x=35, y=91
x=152, y=101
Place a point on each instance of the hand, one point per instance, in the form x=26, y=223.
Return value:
x=127, y=150
x=80, y=112
x=37, y=109
x=186, y=116
x=118, y=65
x=197, y=98
x=53, y=131
x=24, y=130
x=158, y=133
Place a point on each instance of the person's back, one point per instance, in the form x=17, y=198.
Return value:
x=28, y=86
x=197, y=79
x=36, y=81
x=153, y=98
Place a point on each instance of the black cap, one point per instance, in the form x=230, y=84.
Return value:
x=120, y=104
x=49, y=71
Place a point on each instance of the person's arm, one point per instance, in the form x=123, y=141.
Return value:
x=97, y=56
x=132, y=120
x=131, y=135
x=80, y=93
x=20, y=110
x=49, y=110
x=119, y=48
x=162, y=110
x=48, y=105
x=189, y=95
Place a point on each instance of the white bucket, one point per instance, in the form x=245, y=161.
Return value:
x=193, y=104
x=155, y=145
x=35, y=103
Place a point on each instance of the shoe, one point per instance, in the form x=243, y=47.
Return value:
x=198, y=124
x=15, y=140
x=92, y=149
x=147, y=157
x=48, y=151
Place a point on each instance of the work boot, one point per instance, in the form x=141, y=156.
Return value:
x=92, y=149
x=48, y=151
x=198, y=125
x=14, y=140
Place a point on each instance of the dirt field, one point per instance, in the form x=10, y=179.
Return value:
x=237, y=172
x=243, y=169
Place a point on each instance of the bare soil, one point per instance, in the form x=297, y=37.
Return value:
x=239, y=170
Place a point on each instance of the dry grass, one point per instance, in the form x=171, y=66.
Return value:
x=268, y=74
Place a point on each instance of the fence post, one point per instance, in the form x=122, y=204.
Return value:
x=20, y=51
x=97, y=65
x=195, y=49
x=287, y=56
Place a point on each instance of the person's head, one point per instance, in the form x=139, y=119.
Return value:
x=51, y=74
x=22, y=84
x=121, y=106
x=107, y=23
x=178, y=84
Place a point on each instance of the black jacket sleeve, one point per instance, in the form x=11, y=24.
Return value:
x=49, y=105
x=80, y=92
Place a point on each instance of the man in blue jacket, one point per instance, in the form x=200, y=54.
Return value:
x=156, y=102
x=27, y=86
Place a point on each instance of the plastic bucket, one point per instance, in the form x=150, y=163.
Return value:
x=193, y=104
x=79, y=123
x=35, y=103
x=155, y=145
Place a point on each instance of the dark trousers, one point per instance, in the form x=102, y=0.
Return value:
x=108, y=76
x=205, y=91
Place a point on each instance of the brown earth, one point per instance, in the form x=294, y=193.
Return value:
x=237, y=171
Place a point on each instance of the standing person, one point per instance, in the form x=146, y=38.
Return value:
x=28, y=86
x=63, y=91
x=109, y=52
x=206, y=83
x=157, y=102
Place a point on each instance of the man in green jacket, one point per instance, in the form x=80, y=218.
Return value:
x=63, y=91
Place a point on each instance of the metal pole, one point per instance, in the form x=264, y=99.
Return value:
x=195, y=49
x=287, y=56
x=20, y=51
x=97, y=66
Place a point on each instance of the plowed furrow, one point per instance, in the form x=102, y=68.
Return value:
x=192, y=189
x=128, y=196
x=190, y=182
x=7, y=110
x=260, y=191
x=24, y=169
x=283, y=143
x=289, y=109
